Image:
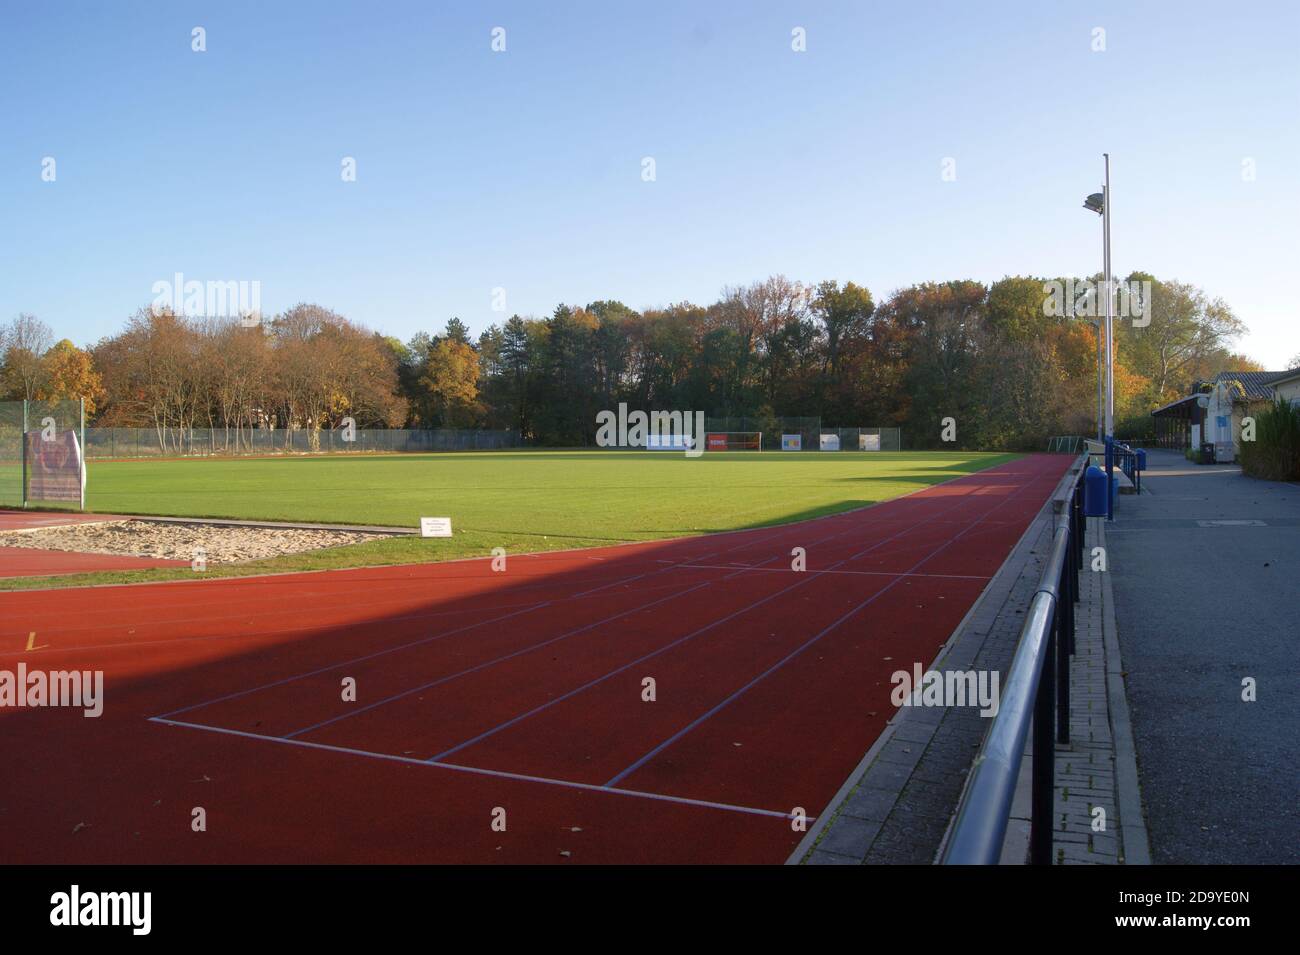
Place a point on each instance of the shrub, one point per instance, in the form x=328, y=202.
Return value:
x=1275, y=452
x=1136, y=429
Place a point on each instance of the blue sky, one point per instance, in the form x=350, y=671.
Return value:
x=522, y=169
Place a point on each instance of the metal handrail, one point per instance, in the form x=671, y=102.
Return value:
x=1036, y=692
x=1127, y=460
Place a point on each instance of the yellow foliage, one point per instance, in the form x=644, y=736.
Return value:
x=70, y=374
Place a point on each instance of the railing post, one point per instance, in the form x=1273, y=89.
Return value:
x=1076, y=535
x=1110, y=472
x=1044, y=767
x=1069, y=578
x=1076, y=508
x=1062, y=647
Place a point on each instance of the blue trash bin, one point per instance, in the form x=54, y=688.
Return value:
x=1141, y=459
x=1094, y=492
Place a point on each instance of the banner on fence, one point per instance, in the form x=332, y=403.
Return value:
x=830, y=442
x=667, y=442
x=55, y=470
x=868, y=442
x=791, y=442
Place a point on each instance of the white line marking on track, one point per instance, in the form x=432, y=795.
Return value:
x=480, y=771
x=360, y=659
x=865, y=573
x=493, y=662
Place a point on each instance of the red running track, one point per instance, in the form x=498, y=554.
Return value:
x=32, y=562
x=479, y=691
x=16, y=519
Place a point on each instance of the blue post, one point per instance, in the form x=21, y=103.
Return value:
x=1110, y=478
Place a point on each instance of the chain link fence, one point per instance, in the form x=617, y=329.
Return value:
x=771, y=427
x=105, y=443
x=859, y=439
x=199, y=442
x=42, y=440
x=810, y=431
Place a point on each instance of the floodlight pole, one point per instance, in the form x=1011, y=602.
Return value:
x=1101, y=384
x=1110, y=321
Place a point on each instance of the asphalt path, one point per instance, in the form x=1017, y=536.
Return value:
x=1206, y=576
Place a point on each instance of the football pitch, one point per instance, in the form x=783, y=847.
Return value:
x=523, y=501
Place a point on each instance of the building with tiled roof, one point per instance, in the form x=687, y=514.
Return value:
x=1211, y=414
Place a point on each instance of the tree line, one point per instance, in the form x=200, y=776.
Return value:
x=1000, y=359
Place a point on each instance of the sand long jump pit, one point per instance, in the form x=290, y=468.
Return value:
x=168, y=540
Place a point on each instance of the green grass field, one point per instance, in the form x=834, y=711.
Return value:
x=521, y=500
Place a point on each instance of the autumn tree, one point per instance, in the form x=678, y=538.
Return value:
x=451, y=380
x=1188, y=337
x=69, y=374
x=844, y=315
x=25, y=341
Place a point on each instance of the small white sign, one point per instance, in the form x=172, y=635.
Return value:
x=435, y=527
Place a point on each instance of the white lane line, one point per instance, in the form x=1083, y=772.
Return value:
x=479, y=771
x=361, y=659
x=357, y=711
x=865, y=573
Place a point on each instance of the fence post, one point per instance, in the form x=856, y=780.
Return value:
x=24, y=443
x=85, y=467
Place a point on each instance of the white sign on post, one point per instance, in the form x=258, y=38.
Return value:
x=435, y=527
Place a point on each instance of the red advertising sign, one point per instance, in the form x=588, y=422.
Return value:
x=716, y=442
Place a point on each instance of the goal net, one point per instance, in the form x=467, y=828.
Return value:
x=733, y=441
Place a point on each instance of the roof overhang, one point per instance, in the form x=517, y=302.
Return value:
x=1177, y=409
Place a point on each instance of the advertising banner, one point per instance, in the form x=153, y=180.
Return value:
x=54, y=471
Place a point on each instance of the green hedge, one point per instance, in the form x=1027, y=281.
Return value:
x=1275, y=452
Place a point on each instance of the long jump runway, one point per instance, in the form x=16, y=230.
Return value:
x=679, y=701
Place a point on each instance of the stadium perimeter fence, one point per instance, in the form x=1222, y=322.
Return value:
x=200, y=442
x=810, y=433
x=771, y=428
x=52, y=420
x=860, y=439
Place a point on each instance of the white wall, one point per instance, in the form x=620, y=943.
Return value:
x=1288, y=390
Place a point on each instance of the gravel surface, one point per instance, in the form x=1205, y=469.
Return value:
x=221, y=545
